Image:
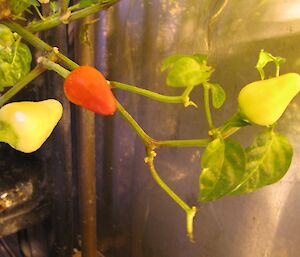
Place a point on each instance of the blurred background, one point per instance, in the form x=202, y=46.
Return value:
x=135, y=218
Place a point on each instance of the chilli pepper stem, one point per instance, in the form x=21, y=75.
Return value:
x=53, y=66
x=190, y=212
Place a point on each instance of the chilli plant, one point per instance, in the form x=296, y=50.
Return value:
x=226, y=168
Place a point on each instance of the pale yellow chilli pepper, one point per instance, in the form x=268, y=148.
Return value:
x=263, y=102
x=25, y=126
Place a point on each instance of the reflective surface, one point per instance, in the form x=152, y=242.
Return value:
x=135, y=217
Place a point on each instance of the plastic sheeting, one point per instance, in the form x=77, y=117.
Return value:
x=136, y=218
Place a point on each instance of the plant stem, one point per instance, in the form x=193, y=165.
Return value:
x=148, y=141
x=207, y=106
x=38, y=43
x=190, y=212
x=183, y=143
x=277, y=69
x=64, y=6
x=187, y=91
x=55, y=20
x=21, y=84
x=53, y=66
x=74, y=7
x=147, y=93
x=32, y=39
x=38, y=12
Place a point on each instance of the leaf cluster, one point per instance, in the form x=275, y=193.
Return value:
x=15, y=58
x=226, y=167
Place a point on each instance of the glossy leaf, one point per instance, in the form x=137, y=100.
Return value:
x=188, y=72
x=218, y=95
x=268, y=160
x=14, y=64
x=170, y=61
x=223, y=167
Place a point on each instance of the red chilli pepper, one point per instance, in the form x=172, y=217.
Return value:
x=87, y=87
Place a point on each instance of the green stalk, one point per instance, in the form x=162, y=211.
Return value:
x=24, y=33
x=64, y=6
x=207, y=106
x=55, y=20
x=183, y=143
x=38, y=70
x=147, y=93
x=39, y=44
x=190, y=212
x=148, y=141
x=53, y=66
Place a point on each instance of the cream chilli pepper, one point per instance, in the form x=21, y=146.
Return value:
x=25, y=126
x=263, y=102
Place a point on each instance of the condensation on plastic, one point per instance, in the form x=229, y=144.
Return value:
x=135, y=217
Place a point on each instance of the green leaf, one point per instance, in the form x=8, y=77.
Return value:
x=218, y=95
x=14, y=64
x=187, y=72
x=19, y=6
x=200, y=58
x=223, y=167
x=6, y=37
x=268, y=160
x=170, y=61
x=264, y=58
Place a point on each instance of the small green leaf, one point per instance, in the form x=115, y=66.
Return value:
x=264, y=58
x=188, y=72
x=223, y=167
x=14, y=64
x=268, y=160
x=218, y=95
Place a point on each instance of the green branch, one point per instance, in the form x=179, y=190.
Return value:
x=55, y=20
x=190, y=211
x=34, y=73
x=64, y=6
x=183, y=143
x=40, y=44
x=53, y=66
x=184, y=98
x=148, y=141
x=147, y=93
